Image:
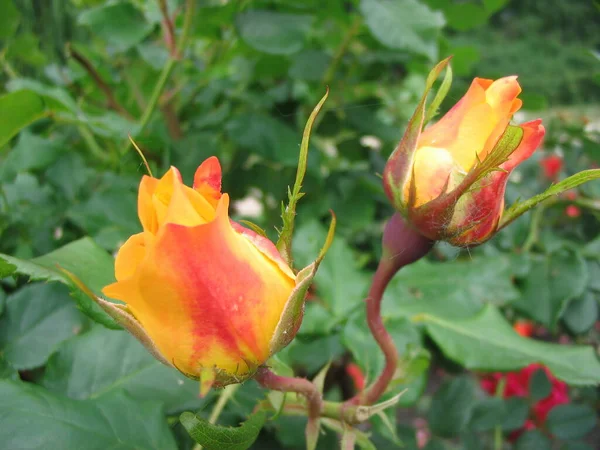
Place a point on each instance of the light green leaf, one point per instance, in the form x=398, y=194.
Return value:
x=404, y=24
x=553, y=281
x=573, y=181
x=119, y=23
x=85, y=259
x=87, y=368
x=19, y=109
x=488, y=342
x=9, y=21
x=215, y=437
x=36, y=419
x=452, y=289
x=274, y=32
x=38, y=317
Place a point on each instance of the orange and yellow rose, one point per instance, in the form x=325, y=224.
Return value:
x=209, y=294
x=440, y=179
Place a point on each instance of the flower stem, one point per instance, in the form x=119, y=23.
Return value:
x=402, y=245
x=226, y=395
x=302, y=386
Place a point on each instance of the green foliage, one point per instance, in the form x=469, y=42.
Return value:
x=214, y=437
x=239, y=80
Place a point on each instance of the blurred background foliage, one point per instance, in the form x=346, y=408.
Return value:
x=240, y=84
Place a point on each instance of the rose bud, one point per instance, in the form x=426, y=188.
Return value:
x=448, y=180
x=204, y=294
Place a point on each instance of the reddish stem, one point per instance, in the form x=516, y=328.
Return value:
x=269, y=380
x=402, y=245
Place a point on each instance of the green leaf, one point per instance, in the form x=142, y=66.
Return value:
x=339, y=282
x=451, y=406
x=487, y=414
x=6, y=268
x=34, y=418
x=119, y=23
x=452, y=289
x=516, y=411
x=38, y=317
x=215, y=437
x=533, y=439
x=30, y=153
x=500, y=348
x=404, y=24
x=274, y=32
x=19, y=109
x=465, y=16
x=571, y=421
x=493, y=6
x=9, y=21
x=576, y=445
x=582, y=313
x=553, y=281
x=573, y=181
x=540, y=386
x=92, y=265
x=87, y=368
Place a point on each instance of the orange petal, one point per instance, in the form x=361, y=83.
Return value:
x=209, y=297
x=146, y=211
x=481, y=210
x=207, y=180
x=432, y=170
x=129, y=257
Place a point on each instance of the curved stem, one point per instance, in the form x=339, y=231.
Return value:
x=402, y=245
x=269, y=380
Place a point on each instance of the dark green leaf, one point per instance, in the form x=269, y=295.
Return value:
x=274, y=32
x=452, y=406
x=539, y=385
x=119, y=23
x=9, y=20
x=571, y=421
x=404, y=24
x=36, y=419
x=38, y=317
x=576, y=445
x=582, y=313
x=19, y=109
x=494, y=5
x=487, y=414
x=215, y=437
x=465, y=16
x=499, y=348
x=551, y=284
x=516, y=411
x=88, y=368
x=533, y=439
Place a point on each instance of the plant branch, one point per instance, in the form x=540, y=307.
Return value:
x=302, y=386
x=401, y=246
x=102, y=85
x=169, y=28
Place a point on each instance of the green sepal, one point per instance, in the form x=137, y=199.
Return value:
x=573, y=181
x=399, y=165
x=288, y=213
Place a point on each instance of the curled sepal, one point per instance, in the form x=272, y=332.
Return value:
x=121, y=315
x=573, y=181
x=288, y=214
x=364, y=413
x=398, y=168
x=293, y=311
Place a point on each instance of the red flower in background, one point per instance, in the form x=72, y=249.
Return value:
x=525, y=328
x=357, y=376
x=517, y=385
x=552, y=165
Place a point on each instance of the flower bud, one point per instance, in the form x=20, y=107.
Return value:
x=449, y=179
x=206, y=295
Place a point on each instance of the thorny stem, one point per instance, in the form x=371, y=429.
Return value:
x=401, y=246
x=102, y=85
x=302, y=386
